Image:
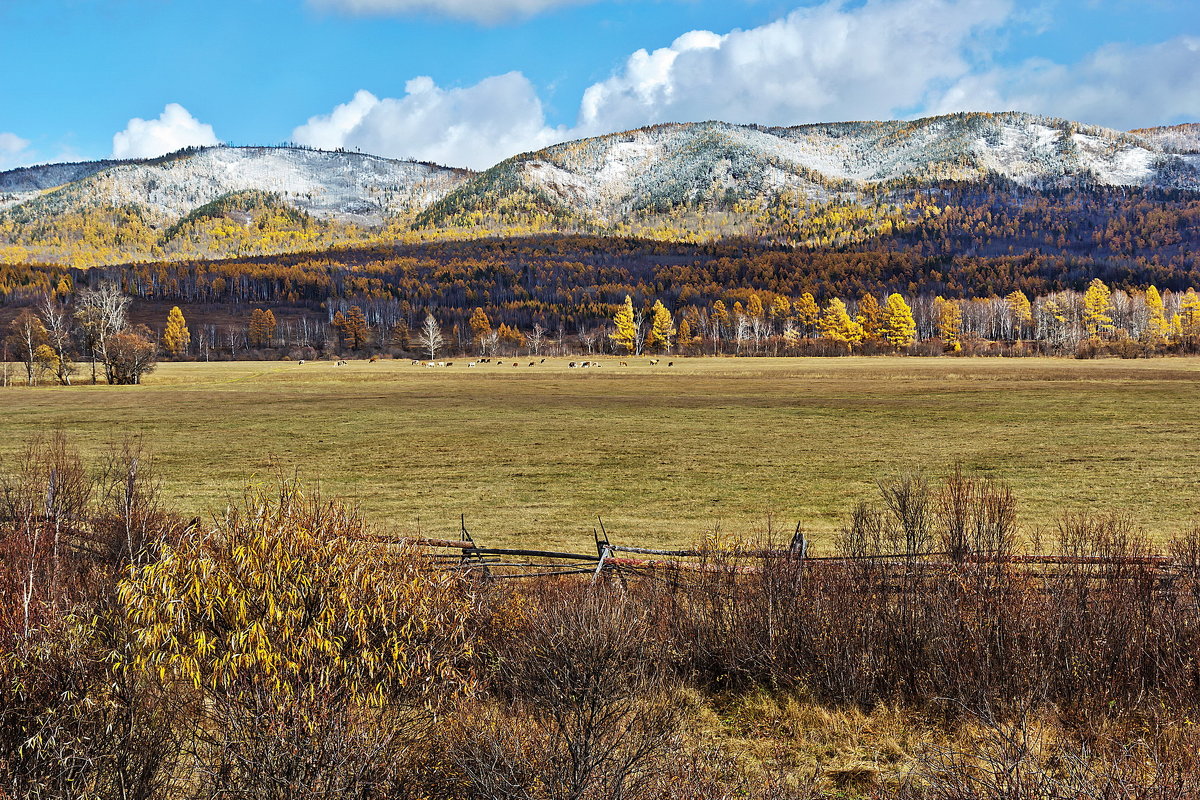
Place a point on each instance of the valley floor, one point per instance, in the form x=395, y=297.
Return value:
x=664, y=455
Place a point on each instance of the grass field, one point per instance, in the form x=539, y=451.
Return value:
x=664, y=455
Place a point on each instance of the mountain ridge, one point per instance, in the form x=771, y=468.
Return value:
x=598, y=183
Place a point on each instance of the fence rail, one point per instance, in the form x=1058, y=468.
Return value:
x=465, y=555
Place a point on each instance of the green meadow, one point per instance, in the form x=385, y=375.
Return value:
x=664, y=455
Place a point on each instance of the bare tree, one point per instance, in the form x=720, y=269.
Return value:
x=536, y=339
x=101, y=314
x=488, y=343
x=26, y=336
x=430, y=337
x=60, y=331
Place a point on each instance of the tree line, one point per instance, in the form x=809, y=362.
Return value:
x=61, y=334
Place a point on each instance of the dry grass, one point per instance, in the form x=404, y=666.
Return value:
x=664, y=455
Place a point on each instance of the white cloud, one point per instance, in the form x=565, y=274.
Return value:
x=827, y=62
x=14, y=150
x=175, y=128
x=486, y=11
x=474, y=126
x=1119, y=86
x=881, y=59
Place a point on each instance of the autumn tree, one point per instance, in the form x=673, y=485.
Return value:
x=353, y=327
x=898, y=327
x=310, y=663
x=1187, y=321
x=870, y=317
x=780, y=310
x=754, y=307
x=624, y=335
x=129, y=355
x=429, y=337
x=480, y=327
x=401, y=334
x=261, y=332
x=510, y=336
x=948, y=316
x=1157, y=327
x=837, y=325
x=176, y=337
x=1097, y=309
x=1020, y=311
x=662, y=328
x=806, y=313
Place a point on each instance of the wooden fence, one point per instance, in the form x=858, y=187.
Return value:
x=467, y=556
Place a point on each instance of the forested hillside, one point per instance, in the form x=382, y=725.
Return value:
x=810, y=186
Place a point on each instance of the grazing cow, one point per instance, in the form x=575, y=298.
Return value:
x=531, y=363
x=470, y=364
x=572, y=365
x=624, y=363
x=654, y=362
x=515, y=364
x=543, y=361
x=301, y=361
x=449, y=363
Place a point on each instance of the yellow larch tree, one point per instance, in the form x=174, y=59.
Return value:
x=754, y=307
x=806, y=313
x=480, y=326
x=262, y=327
x=870, y=316
x=1021, y=311
x=1157, y=327
x=624, y=335
x=662, y=328
x=1187, y=321
x=1097, y=305
x=898, y=327
x=837, y=325
x=949, y=323
x=176, y=337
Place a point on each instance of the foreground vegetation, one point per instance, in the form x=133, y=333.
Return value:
x=663, y=454
x=279, y=651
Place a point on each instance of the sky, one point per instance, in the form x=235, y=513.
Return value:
x=471, y=82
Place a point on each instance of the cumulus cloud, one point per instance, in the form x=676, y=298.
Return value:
x=175, y=128
x=474, y=126
x=881, y=59
x=486, y=11
x=14, y=151
x=1120, y=86
x=827, y=62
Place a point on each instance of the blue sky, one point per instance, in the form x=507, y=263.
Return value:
x=471, y=81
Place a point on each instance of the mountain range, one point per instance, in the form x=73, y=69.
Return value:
x=219, y=201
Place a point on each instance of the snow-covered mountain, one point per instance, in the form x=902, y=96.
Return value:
x=608, y=177
x=1184, y=139
x=340, y=185
x=598, y=182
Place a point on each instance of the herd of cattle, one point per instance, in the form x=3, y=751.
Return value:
x=501, y=363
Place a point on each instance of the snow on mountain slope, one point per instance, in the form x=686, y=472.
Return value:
x=610, y=179
x=607, y=177
x=348, y=186
x=1183, y=139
